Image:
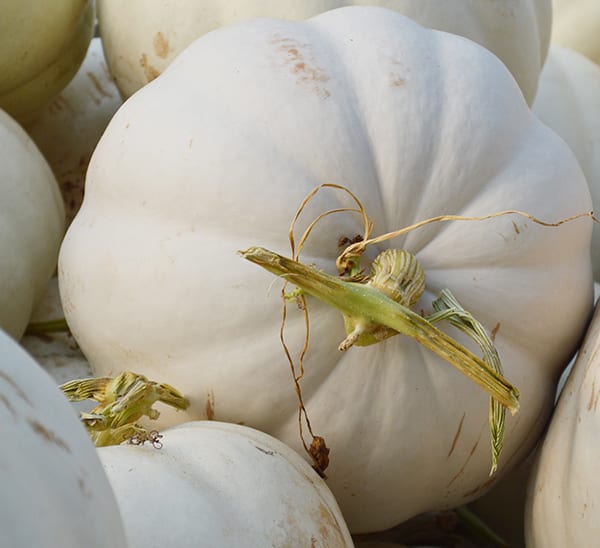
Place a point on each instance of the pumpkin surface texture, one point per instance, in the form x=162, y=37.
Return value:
x=216, y=154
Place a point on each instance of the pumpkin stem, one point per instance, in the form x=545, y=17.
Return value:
x=380, y=311
x=123, y=400
x=448, y=308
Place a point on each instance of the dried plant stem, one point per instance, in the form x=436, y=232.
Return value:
x=361, y=300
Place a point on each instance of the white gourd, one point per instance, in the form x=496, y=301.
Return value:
x=215, y=156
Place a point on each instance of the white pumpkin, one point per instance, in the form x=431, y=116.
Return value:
x=575, y=25
x=31, y=226
x=568, y=101
x=216, y=484
x=69, y=128
x=216, y=155
x=563, y=499
x=40, y=51
x=54, y=490
x=142, y=38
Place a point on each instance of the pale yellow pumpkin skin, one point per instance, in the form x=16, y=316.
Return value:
x=41, y=49
x=217, y=153
x=142, y=38
x=575, y=25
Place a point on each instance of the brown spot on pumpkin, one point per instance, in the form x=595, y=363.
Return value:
x=297, y=56
x=495, y=332
x=209, y=408
x=8, y=405
x=396, y=81
x=483, y=487
x=161, y=45
x=149, y=71
x=47, y=434
x=469, y=456
x=19, y=391
x=456, y=436
x=96, y=83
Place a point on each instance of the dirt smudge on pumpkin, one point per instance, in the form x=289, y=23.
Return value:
x=150, y=72
x=18, y=390
x=209, y=408
x=161, y=45
x=456, y=436
x=297, y=58
x=265, y=451
x=47, y=434
x=396, y=81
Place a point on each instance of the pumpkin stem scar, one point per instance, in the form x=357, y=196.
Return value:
x=123, y=400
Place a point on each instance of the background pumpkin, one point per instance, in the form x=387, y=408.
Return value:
x=568, y=101
x=217, y=484
x=575, y=26
x=562, y=497
x=31, y=226
x=68, y=129
x=54, y=490
x=141, y=38
x=216, y=154
x=40, y=51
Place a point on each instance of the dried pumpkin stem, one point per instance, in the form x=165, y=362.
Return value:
x=364, y=301
x=123, y=400
x=449, y=309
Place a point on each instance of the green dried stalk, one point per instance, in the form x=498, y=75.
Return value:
x=123, y=400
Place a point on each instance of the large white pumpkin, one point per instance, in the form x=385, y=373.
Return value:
x=216, y=484
x=141, y=38
x=54, y=490
x=216, y=155
x=31, y=226
x=563, y=499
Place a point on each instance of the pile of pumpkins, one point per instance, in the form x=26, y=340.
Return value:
x=134, y=166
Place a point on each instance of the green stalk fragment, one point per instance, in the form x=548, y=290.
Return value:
x=370, y=309
x=50, y=326
x=448, y=308
x=123, y=400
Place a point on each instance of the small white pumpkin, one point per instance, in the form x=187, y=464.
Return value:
x=31, y=226
x=575, y=25
x=141, y=38
x=217, y=153
x=563, y=500
x=54, y=490
x=68, y=129
x=41, y=49
x=216, y=484
x=568, y=101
